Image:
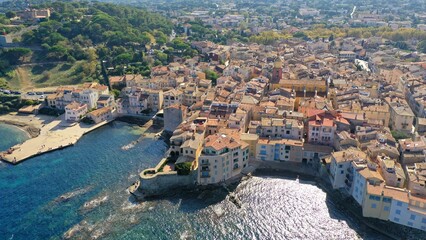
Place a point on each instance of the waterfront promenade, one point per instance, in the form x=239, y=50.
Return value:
x=54, y=134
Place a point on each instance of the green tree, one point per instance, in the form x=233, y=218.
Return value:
x=211, y=75
x=15, y=55
x=10, y=14
x=421, y=47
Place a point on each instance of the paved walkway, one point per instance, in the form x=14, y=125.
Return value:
x=54, y=135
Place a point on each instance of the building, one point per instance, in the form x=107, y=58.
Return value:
x=279, y=150
x=377, y=201
x=223, y=157
x=277, y=71
x=321, y=130
x=341, y=165
x=173, y=116
x=391, y=171
x=401, y=117
x=417, y=179
x=407, y=210
x=277, y=128
x=75, y=111
x=347, y=55
x=412, y=151
x=363, y=173
x=102, y=114
x=172, y=97
x=251, y=140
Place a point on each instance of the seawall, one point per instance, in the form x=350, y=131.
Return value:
x=153, y=183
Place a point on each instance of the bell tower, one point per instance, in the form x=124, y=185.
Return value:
x=277, y=71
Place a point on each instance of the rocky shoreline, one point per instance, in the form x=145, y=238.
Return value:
x=31, y=130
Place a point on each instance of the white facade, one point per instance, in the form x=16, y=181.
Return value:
x=218, y=165
x=75, y=111
x=89, y=97
x=338, y=172
x=358, y=186
x=411, y=216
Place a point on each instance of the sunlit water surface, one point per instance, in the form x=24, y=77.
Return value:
x=92, y=178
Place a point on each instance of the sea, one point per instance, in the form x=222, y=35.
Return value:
x=81, y=193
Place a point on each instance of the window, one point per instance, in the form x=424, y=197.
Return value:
x=424, y=220
x=410, y=224
x=413, y=217
x=341, y=172
x=373, y=205
x=398, y=212
x=375, y=198
x=396, y=219
x=387, y=200
x=399, y=204
x=386, y=208
x=340, y=166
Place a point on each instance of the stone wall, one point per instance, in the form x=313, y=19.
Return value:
x=155, y=183
x=165, y=183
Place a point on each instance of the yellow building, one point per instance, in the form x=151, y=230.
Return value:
x=300, y=85
x=378, y=200
x=251, y=140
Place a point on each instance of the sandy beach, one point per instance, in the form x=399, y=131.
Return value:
x=29, y=123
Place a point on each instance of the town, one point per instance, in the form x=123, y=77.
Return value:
x=350, y=106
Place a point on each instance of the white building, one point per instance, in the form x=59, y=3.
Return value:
x=408, y=210
x=89, y=97
x=75, y=111
x=321, y=130
x=223, y=157
x=341, y=165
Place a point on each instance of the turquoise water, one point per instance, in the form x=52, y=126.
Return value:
x=10, y=136
x=92, y=178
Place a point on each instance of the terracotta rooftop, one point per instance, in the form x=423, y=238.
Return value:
x=221, y=141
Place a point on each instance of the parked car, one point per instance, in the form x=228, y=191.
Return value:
x=30, y=93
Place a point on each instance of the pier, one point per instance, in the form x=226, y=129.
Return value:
x=54, y=135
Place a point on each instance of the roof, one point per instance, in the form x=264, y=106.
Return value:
x=74, y=105
x=280, y=141
x=350, y=154
x=221, y=141
x=392, y=192
x=100, y=111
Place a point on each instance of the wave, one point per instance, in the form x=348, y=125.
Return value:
x=69, y=195
x=94, y=203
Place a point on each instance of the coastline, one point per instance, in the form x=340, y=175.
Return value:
x=31, y=131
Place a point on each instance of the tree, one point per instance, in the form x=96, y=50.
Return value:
x=183, y=168
x=211, y=75
x=10, y=14
x=421, y=47
x=15, y=55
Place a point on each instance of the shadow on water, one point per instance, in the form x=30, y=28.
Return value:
x=193, y=201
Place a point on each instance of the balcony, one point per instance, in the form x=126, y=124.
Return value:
x=205, y=163
x=205, y=175
x=349, y=177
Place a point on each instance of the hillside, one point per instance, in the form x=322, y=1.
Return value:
x=77, y=37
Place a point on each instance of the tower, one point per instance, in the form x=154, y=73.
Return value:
x=277, y=71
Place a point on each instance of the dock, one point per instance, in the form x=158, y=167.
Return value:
x=55, y=135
